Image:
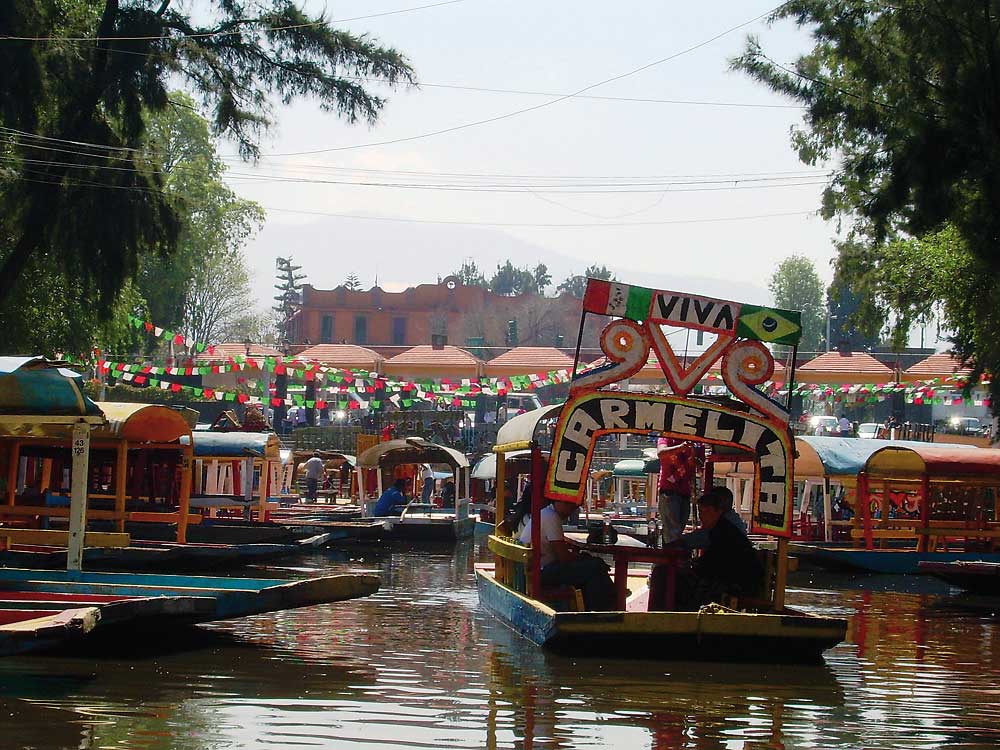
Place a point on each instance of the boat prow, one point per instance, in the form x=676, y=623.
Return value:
x=712, y=633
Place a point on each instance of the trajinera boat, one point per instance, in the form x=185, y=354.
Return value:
x=419, y=521
x=645, y=622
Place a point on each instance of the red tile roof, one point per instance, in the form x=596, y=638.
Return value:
x=345, y=356
x=533, y=359
x=940, y=365
x=849, y=362
x=428, y=355
x=225, y=351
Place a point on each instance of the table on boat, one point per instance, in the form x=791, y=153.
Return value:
x=627, y=552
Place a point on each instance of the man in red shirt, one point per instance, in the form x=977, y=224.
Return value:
x=677, y=468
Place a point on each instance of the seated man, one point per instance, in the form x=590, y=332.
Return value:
x=729, y=564
x=448, y=494
x=699, y=538
x=392, y=501
x=563, y=564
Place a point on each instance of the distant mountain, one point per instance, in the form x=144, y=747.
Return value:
x=402, y=255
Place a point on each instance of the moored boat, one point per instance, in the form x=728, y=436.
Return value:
x=650, y=618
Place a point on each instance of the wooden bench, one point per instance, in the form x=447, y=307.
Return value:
x=513, y=561
x=939, y=535
x=55, y=538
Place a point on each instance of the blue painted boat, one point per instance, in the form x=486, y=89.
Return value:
x=139, y=603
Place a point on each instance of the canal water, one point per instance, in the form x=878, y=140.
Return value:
x=420, y=665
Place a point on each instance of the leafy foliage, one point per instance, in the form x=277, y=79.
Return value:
x=75, y=111
x=577, y=285
x=352, y=282
x=509, y=280
x=470, y=275
x=904, y=96
x=288, y=285
x=795, y=285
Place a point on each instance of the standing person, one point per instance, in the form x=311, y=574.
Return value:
x=845, y=426
x=677, y=467
x=313, y=469
x=563, y=564
x=427, y=475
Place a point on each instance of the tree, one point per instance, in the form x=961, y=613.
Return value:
x=470, y=275
x=352, y=282
x=288, y=286
x=75, y=113
x=218, y=297
x=904, y=282
x=541, y=278
x=904, y=95
x=846, y=328
x=509, y=281
x=795, y=285
x=577, y=285
x=204, y=285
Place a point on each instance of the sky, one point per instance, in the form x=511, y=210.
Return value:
x=714, y=195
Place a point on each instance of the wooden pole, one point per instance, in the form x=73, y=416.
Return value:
x=537, y=478
x=827, y=512
x=781, y=575
x=15, y=459
x=78, y=498
x=265, y=476
x=184, y=501
x=865, y=508
x=501, y=490
x=121, y=474
x=925, y=510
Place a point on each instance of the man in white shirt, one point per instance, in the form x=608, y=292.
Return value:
x=313, y=469
x=427, y=475
x=845, y=426
x=563, y=564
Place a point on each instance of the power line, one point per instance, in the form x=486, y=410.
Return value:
x=211, y=34
x=533, y=108
x=723, y=219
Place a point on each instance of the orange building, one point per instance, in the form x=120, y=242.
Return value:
x=391, y=322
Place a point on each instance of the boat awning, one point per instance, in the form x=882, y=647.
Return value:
x=236, y=445
x=486, y=467
x=411, y=451
x=968, y=463
x=142, y=423
x=636, y=468
x=519, y=432
x=39, y=397
x=830, y=457
x=330, y=458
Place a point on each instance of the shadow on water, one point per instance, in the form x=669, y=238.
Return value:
x=421, y=665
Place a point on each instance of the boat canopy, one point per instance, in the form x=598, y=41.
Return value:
x=142, y=423
x=38, y=395
x=411, y=451
x=236, y=445
x=934, y=460
x=636, y=468
x=334, y=458
x=518, y=432
x=486, y=467
x=819, y=456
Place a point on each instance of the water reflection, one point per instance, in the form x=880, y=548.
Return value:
x=419, y=665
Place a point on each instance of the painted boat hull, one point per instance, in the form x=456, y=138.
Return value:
x=136, y=604
x=422, y=529
x=887, y=561
x=738, y=636
x=975, y=577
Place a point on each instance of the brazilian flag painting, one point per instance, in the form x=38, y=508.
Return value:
x=769, y=324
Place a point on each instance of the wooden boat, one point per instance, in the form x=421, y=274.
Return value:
x=40, y=609
x=976, y=577
x=419, y=521
x=647, y=622
x=924, y=503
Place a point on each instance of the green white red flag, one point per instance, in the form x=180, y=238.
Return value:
x=619, y=300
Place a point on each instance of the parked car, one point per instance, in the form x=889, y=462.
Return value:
x=966, y=425
x=868, y=430
x=824, y=425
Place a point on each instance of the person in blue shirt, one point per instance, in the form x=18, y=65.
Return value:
x=392, y=501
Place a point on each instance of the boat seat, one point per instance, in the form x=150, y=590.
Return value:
x=562, y=598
